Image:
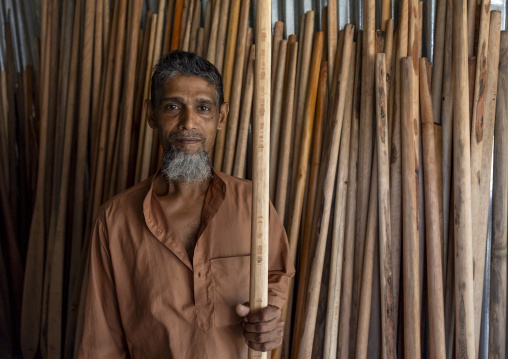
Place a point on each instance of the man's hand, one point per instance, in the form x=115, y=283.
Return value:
x=263, y=330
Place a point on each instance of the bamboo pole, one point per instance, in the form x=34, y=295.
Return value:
x=434, y=235
x=177, y=23
x=183, y=24
x=196, y=21
x=208, y=25
x=260, y=166
x=221, y=35
x=168, y=27
x=410, y=217
x=339, y=224
x=278, y=30
x=214, y=28
x=497, y=322
x=438, y=60
x=305, y=347
x=332, y=28
x=386, y=13
x=462, y=184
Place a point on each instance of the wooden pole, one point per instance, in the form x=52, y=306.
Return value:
x=462, y=185
x=222, y=35
x=214, y=28
x=305, y=347
x=332, y=32
x=284, y=151
x=278, y=31
x=385, y=250
x=260, y=165
x=236, y=90
x=438, y=59
x=482, y=134
x=177, y=24
x=410, y=217
x=339, y=224
x=349, y=245
x=497, y=329
x=434, y=234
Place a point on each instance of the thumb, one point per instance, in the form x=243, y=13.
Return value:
x=242, y=310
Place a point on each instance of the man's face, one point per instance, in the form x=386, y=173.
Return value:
x=187, y=115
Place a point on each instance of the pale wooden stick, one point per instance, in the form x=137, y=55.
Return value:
x=331, y=35
x=310, y=105
x=471, y=72
x=438, y=60
x=410, y=217
x=234, y=106
x=221, y=34
x=276, y=117
x=386, y=14
x=260, y=166
x=497, y=330
x=245, y=115
x=229, y=60
x=365, y=152
x=472, y=8
x=305, y=347
x=434, y=235
x=177, y=23
x=339, y=224
x=449, y=293
x=464, y=293
x=385, y=250
x=214, y=28
x=447, y=123
x=482, y=134
x=284, y=151
x=306, y=51
x=196, y=21
x=347, y=280
x=371, y=236
x=278, y=31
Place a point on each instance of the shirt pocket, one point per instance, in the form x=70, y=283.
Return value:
x=230, y=277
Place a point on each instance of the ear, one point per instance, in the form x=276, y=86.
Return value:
x=150, y=113
x=223, y=115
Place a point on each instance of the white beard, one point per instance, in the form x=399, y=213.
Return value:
x=184, y=167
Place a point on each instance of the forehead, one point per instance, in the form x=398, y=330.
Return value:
x=181, y=85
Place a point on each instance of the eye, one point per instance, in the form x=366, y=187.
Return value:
x=171, y=107
x=203, y=108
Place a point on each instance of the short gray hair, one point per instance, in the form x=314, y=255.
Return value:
x=186, y=64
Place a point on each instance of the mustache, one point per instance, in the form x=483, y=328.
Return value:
x=186, y=133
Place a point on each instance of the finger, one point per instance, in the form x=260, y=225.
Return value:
x=242, y=310
x=263, y=315
x=265, y=337
x=263, y=327
x=264, y=347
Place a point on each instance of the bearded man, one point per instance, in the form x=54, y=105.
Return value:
x=170, y=257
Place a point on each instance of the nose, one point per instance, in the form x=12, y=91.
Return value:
x=187, y=120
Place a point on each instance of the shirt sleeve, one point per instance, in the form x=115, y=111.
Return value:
x=103, y=335
x=280, y=266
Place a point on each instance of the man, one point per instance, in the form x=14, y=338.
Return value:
x=169, y=262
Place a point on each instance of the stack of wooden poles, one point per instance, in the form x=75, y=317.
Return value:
x=380, y=166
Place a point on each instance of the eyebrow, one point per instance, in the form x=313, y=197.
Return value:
x=200, y=100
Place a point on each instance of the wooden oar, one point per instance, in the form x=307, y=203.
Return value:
x=339, y=224
x=434, y=235
x=464, y=293
x=260, y=166
x=497, y=322
x=305, y=347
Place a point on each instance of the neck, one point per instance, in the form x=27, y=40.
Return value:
x=180, y=189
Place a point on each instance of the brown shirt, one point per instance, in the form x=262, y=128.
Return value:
x=147, y=300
